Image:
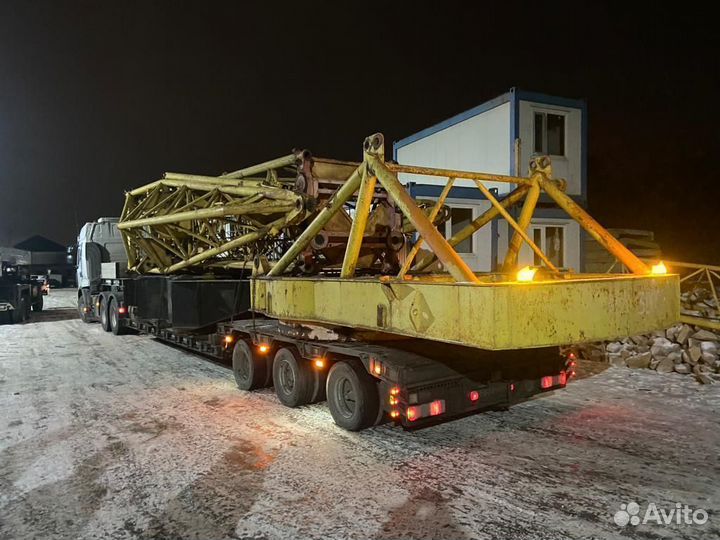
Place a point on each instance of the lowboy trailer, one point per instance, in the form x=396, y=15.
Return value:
x=309, y=275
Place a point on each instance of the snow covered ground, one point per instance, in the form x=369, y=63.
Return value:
x=124, y=437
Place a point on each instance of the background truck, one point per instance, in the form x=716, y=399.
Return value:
x=19, y=291
x=311, y=275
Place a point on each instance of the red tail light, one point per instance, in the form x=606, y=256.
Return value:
x=474, y=395
x=550, y=381
x=412, y=413
x=437, y=407
x=122, y=310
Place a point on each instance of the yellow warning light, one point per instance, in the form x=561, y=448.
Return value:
x=658, y=269
x=526, y=274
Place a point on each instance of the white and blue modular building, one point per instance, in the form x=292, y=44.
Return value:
x=495, y=137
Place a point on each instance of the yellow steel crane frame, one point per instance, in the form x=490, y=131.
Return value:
x=490, y=311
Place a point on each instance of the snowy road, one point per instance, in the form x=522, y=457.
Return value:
x=124, y=437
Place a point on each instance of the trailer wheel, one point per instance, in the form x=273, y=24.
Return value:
x=104, y=314
x=293, y=378
x=250, y=371
x=352, y=396
x=84, y=316
x=38, y=305
x=18, y=314
x=115, y=324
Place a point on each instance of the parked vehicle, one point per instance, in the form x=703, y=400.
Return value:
x=299, y=272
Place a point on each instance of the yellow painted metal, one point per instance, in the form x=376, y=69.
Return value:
x=504, y=315
x=270, y=229
x=285, y=161
x=504, y=213
x=272, y=207
x=433, y=214
x=597, y=231
x=526, y=215
x=452, y=173
x=705, y=276
x=478, y=223
x=457, y=267
x=359, y=224
x=700, y=321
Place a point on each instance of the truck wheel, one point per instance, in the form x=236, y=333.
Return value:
x=293, y=378
x=38, y=305
x=249, y=370
x=104, y=315
x=84, y=316
x=352, y=396
x=27, y=306
x=18, y=314
x=115, y=323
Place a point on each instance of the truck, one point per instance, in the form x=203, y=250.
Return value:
x=326, y=280
x=19, y=291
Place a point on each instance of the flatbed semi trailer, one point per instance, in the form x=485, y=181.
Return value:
x=412, y=382
x=327, y=280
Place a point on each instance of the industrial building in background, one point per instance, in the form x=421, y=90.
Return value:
x=501, y=136
x=49, y=260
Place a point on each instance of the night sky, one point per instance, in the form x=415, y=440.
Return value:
x=99, y=97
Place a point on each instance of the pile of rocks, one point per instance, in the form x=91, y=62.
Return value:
x=699, y=302
x=681, y=348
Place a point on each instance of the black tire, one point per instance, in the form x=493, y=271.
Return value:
x=116, y=325
x=84, y=316
x=104, y=314
x=293, y=378
x=249, y=368
x=27, y=306
x=38, y=305
x=18, y=314
x=352, y=396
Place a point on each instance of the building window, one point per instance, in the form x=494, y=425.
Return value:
x=551, y=240
x=459, y=219
x=549, y=134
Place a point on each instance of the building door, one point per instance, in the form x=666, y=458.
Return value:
x=551, y=240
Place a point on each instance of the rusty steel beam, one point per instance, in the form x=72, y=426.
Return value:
x=457, y=267
x=447, y=173
x=594, y=229
x=285, y=161
x=233, y=244
x=526, y=215
x=236, y=209
x=510, y=200
x=359, y=224
x=504, y=213
x=433, y=214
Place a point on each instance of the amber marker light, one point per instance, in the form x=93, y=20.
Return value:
x=658, y=269
x=526, y=274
